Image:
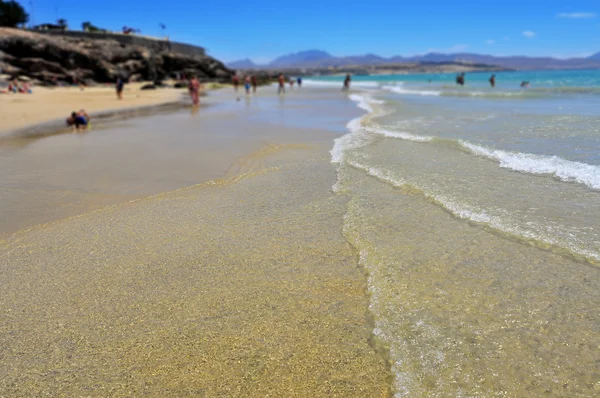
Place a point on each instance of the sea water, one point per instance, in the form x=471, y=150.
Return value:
x=476, y=214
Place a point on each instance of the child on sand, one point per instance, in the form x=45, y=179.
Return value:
x=79, y=120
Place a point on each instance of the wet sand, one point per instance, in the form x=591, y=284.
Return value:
x=242, y=285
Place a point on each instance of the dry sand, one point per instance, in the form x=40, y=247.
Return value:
x=47, y=104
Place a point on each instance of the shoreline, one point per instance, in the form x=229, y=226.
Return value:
x=57, y=126
x=50, y=106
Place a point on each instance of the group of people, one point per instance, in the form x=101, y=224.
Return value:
x=16, y=88
x=250, y=83
x=460, y=80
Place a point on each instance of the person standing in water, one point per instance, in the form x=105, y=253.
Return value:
x=247, y=85
x=236, y=82
x=194, y=88
x=299, y=82
x=254, y=83
x=493, y=81
x=347, y=80
x=281, y=89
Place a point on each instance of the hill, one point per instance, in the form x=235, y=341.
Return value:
x=321, y=59
x=101, y=57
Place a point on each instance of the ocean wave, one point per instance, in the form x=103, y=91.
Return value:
x=565, y=170
x=399, y=134
x=399, y=89
x=338, y=84
x=536, y=234
x=355, y=139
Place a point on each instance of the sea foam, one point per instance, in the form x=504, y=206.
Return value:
x=563, y=169
x=399, y=89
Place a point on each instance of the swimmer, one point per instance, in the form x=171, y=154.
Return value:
x=493, y=81
x=299, y=81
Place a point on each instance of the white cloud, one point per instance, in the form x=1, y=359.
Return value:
x=529, y=34
x=490, y=42
x=576, y=15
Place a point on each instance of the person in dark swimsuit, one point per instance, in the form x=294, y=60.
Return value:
x=347, y=80
x=493, y=81
x=119, y=88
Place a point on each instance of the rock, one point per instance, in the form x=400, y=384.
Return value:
x=148, y=86
x=99, y=58
x=23, y=79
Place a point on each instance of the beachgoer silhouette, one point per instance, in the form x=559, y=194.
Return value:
x=236, y=82
x=347, y=80
x=460, y=79
x=247, y=84
x=493, y=81
x=254, y=83
x=281, y=89
x=194, y=88
x=299, y=82
x=119, y=88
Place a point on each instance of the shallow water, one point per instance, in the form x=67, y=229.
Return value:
x=243, y=285
x=477, y=222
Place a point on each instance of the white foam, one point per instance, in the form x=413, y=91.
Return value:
x=563, y=169
x=461, y=210
x=357, y=137
x=338, y=84
x=399, y=89
x=399, y=134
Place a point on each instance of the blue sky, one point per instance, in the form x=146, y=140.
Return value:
x=264, y=29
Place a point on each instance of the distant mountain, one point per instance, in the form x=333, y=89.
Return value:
x=594, y=57
x=242, y=64
x=310, y=57
x=322, y=59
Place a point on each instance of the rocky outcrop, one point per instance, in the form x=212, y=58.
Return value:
x=51, y=59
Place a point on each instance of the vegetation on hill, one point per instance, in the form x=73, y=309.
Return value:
x=12, y=14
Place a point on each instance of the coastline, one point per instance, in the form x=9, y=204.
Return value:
x=46, y=108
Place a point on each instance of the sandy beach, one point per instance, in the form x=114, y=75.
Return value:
x=47, y=104
x=315, y=244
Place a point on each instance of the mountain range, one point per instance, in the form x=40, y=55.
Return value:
x=322, y=59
